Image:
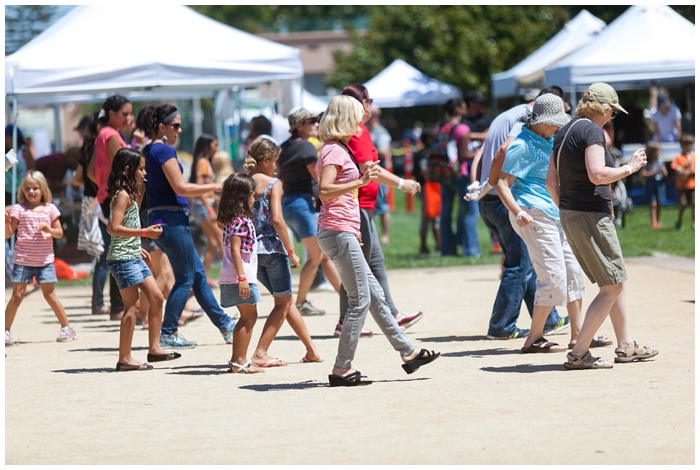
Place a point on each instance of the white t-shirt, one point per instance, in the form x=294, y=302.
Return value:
x=667, y=124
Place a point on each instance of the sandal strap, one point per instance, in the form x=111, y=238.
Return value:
x=240, y=367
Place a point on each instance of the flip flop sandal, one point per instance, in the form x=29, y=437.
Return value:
x=635, y=353
x=276, y=362
x=242, y=369
x=424, y=357
x=542, y=346
x=585, y=362
x=350, y=380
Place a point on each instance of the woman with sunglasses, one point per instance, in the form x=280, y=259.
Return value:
x=297, y=170
x=167, y=205
x=580, y=172
x=111, y=119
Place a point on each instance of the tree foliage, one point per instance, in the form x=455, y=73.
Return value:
x=462, y=45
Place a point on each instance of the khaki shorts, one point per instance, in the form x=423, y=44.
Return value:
x=593, y=239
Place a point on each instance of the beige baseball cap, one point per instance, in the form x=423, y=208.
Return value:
x=604, y=94
x=299, y=116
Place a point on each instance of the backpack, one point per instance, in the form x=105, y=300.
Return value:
x=442, y=157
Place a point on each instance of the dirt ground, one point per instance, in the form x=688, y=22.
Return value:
x=482, y=402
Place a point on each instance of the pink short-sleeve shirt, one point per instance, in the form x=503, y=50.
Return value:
x=33, y=247
x=341, y=214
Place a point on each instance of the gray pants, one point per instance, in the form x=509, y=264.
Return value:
x=364, y=293
x=372, y=251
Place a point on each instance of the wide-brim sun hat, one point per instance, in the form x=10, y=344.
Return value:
x=548, y=109
x=604, y=94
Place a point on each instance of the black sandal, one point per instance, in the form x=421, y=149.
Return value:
x=350, y=380
x=424, y=357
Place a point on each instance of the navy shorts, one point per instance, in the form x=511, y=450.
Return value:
x=25, y=274
x=274, y=274
x=129, y=272
x=231, y=298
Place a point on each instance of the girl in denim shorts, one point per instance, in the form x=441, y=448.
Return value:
x=36, y=221
x=240, y=262
x=275, y=253
x=125, y=259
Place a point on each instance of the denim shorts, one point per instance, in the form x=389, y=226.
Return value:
x=231, y=298
x=128, y=272
x=198, y=212
x=25, y=274
x=300, y=215
x=382, y=204
x=274, y=274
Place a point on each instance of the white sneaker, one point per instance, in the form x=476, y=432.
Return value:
x=407, y=320
x=8, y=338
x=325, y=286
x=308, y=310
x=66, y=334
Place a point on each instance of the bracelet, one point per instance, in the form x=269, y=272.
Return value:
x=211, y=210
x=519, y=214
x=8, y=222
x=290, y=252
x=143, y=233
x=401, y=181
x=242, y=278
x=628, y=169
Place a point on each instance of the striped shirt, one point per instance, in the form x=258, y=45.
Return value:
x=33, y=247
x=240, y=227
x=126, y=248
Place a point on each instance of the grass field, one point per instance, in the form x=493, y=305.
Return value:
x=637, y=239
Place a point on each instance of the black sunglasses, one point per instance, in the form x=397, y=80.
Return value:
x=177, y=126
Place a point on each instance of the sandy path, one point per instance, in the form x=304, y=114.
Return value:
x=483, y=402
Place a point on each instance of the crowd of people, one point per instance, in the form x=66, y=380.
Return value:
x=538, y=178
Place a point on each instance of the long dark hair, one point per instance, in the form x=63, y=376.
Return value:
x=152, y=116
x=451, y=106
x=202, y=149
x=123, y=175
x=234, y=197
x=113, y=103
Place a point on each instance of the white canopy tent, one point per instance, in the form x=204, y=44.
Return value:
x=75, y=56
x=401, y=85
x=648, y=45
x=529, y=73
x=159, y=53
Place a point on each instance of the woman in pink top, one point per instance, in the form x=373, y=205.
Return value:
x=339, y=238
x=113, y=116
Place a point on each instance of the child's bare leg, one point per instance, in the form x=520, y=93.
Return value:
x=296, y=321
x=49, y=291
x=270, y=329
x=151, y=293
x=18, y=291
x=130, y=295
x=242, y=334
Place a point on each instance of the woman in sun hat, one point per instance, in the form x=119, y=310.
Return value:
x=580, y=173
x=535, y=218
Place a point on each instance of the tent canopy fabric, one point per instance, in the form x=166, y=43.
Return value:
x=401, y=85
x=648, y=45
x=529, y=73
x=181, y=51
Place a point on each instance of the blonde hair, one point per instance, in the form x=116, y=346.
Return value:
x=590, y=108
x=341, y=118
x=222, y=166
x=260, y=149
x=43, y=186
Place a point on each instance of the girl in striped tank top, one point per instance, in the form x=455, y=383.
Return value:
x=125, y=259
x=36, y=221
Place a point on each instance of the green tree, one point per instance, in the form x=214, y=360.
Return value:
x=461, y=45
x=24, y=22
